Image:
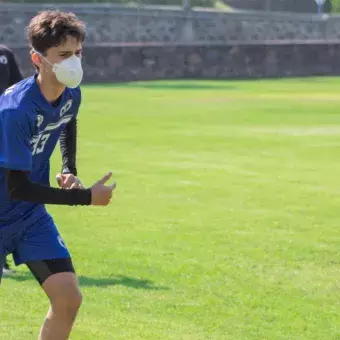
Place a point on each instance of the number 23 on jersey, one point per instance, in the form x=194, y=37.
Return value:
x=38, y=143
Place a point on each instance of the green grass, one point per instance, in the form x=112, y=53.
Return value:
x=336, y=5
x=225, y=222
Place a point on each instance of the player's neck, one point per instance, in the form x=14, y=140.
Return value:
x=50, y=91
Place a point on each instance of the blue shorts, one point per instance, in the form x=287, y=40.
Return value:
x=37, y=241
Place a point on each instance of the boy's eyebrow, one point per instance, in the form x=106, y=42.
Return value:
x=69, y=52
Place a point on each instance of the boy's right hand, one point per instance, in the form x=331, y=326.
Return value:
x=101, y=194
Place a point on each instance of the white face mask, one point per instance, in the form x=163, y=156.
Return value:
x=68, y=72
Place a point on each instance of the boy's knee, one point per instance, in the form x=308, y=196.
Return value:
x=64, y=294
x=68, y=304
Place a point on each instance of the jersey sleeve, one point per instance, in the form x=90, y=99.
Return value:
x=16, y=130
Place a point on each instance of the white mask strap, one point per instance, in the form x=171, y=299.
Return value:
x=43, y=57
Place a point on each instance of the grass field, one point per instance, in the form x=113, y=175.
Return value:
x=225, y=222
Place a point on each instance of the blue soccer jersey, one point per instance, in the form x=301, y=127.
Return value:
x=30, y=127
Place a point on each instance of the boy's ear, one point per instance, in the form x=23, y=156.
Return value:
x=36, y=59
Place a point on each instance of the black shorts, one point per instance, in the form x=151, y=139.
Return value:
x=43, y=269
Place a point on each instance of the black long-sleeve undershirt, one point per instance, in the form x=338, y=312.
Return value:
x=21, y=188
x=68, y=147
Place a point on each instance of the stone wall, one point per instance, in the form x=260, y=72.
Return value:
x=127, y=44
x=297, y=6
x=129, y=63
x=109, y=24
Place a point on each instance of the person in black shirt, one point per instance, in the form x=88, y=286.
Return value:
x=9, y=70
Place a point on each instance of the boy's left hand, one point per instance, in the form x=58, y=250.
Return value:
x=69, y=181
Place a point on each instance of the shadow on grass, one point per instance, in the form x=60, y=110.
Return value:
x=86, y=281
x=120, y=280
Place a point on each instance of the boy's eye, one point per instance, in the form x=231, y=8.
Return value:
x=67, y=55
